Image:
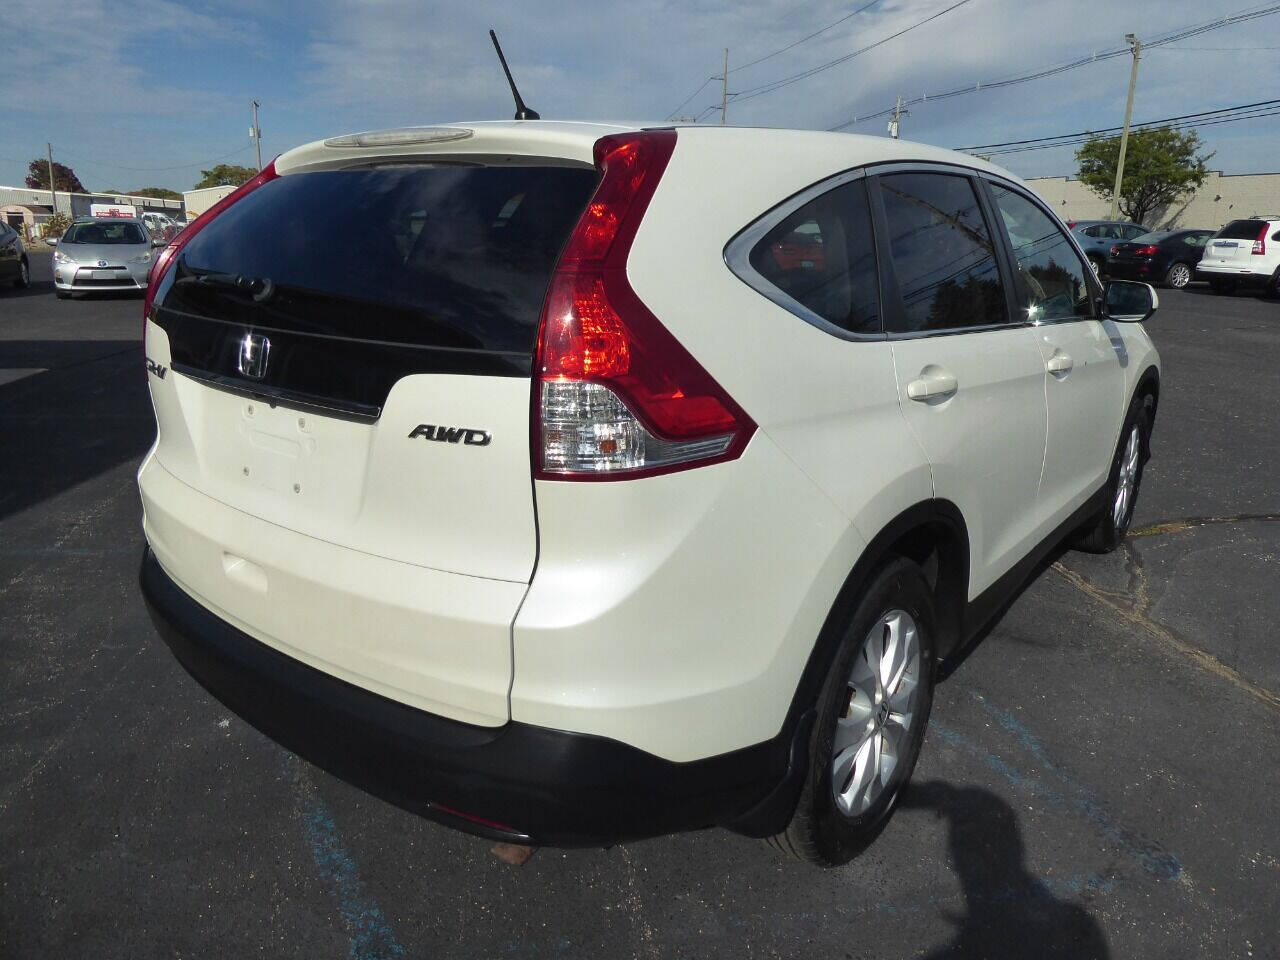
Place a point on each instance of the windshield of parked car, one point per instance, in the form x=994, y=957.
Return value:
x=122, y=233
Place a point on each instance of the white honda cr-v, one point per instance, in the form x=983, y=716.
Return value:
x=570, y=483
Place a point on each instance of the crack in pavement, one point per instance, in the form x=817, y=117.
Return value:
x=1190, y=523
x=1134, y=603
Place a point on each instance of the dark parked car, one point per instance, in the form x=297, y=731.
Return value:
x=1096, y=237
x=13, y=257
x=1166, y=257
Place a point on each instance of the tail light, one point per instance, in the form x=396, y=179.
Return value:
x=160, y=266
x=1260, y=245
x=1071, y=224
x=1149, y=251
x=615, y=394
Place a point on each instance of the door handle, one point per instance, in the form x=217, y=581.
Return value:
x=933, y=382
x=1060, y=364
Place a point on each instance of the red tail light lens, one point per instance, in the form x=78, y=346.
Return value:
x=1115, y=248
x=1260, y=245
x=1146, y=251
x=163, y=262
x=615, y=394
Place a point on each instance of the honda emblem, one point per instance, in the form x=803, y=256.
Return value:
x=253, y=356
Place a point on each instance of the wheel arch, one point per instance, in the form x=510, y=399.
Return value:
x=1149, y=384
x=931, y=533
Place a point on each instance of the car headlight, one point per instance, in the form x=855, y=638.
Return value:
x=60, y=257
x=141, y=258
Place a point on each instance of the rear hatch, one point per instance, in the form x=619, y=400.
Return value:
x=1232, y=248
x=396, y=304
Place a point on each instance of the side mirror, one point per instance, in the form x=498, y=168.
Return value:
x=51, y=241
x=1130, y=302
x=157, y=241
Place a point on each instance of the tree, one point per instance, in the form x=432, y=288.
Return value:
x=64, y=178
x=1160, y=166
x=160, y=193
x=225, y=173
x=56, y=225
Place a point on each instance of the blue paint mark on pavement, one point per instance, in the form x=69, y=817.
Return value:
x=1153, y=860
x=371, y=935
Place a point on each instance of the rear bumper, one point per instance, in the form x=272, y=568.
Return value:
x=1131, y=270
x=518, y=782
x=1244, y=277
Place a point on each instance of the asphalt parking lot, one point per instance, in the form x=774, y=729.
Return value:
x=1099, y=779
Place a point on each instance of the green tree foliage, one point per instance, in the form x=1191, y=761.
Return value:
x=225, y=173
x=160, y=193
x=64, y=178
x=57, y=225
x=1160, y=166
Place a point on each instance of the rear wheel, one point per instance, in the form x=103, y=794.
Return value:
x=1096, y=263
x=1107, y=529
x=1179, y=276
x=871, y=719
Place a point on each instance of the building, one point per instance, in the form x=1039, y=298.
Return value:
x=27, y=210
x=1221, y=198
x=198, y=201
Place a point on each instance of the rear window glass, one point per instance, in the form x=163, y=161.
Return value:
x=822, y=256
x=1243, y=229
x=453, y=256
x=104, y=233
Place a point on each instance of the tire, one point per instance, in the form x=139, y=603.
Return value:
x=24, y=275
x=825, y=829
x=1179, y=275
x=1107, y=529
x=1098, y=266
x=1273, y=285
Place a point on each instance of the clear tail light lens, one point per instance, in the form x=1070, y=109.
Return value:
x=1260, y=245
x=615, y=394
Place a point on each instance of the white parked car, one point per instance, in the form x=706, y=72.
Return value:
x=572, y=483
x=1244, y=253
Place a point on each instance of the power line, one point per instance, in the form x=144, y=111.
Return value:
x=1145, y=123
x=1182, y=33
x=759, y=91
x=1254, y=114
x=769, y=56
x=183, y=166
x=792, y=46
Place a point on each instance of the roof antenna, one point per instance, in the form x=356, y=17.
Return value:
x=522, y=112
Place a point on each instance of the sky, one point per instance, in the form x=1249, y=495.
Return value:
x=133, y=96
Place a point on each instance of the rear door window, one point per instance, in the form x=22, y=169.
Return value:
x=821, y=257
x=942, y=252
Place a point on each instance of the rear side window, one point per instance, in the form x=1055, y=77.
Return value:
x=942, y=254
x=1242, y=230
x=822, y=257
x=445, y=256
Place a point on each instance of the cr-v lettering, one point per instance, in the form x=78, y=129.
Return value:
x=776, y=443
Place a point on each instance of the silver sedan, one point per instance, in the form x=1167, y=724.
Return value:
x=101, y=255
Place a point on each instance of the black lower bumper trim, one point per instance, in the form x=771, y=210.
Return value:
x=518, y=783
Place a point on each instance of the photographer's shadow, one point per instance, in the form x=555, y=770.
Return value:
x=1011, y=914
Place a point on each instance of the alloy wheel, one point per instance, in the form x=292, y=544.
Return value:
x=1127, y=481
x=873, y=730
x=1180, y=275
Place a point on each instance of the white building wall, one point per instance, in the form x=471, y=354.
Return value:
x=1219, y=200
x=198, y=201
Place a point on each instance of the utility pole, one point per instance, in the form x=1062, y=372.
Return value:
x=724, y=88
x=255, y=133
x=898, y=114
x=1135, y=46
x=53, y=197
